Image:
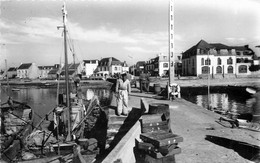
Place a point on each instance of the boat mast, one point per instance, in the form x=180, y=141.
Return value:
x=64, y=13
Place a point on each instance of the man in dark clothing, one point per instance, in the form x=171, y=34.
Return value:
x=144, y=82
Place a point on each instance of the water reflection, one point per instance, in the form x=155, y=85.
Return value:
x=223, y=101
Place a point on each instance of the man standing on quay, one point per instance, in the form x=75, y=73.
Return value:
x=123, y=88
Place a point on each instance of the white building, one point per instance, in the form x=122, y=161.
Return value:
x=90, y=66
x=216, y=59
x=27, y=70
x=112, y=65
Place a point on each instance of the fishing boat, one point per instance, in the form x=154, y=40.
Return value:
x=74, y=126
x=16, y=124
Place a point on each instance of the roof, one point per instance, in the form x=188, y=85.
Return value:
x=206, y=46
x=45, y=67
x=12, y=69
x=71, y=72
x=90, y=61
x=220, y=46
x=72, y=66
x=193, y=50
x=105, y=61
x=241, y=48
x=53, y=71
x=25, y=66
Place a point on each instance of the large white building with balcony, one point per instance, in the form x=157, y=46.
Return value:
x=217, y=60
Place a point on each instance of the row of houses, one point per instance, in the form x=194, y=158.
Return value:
x=200, y=60
x=86, y=68
x=203, y=59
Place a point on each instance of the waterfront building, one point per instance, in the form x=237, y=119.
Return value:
x=139, y=67
x=12, y=72
x=111, y=65
x=44, y=70
x=158, y=66
x=244, y=59
x=216, y=59
x=55, y=72
x=89, y=67
x=27, y=71
x=73, y=70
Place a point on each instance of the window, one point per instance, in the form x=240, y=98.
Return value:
x=229, y=61
x=202, y=61
x=115, y=68
x=242, y=69
x=230, y=69
x=205, y=70
x=219, y=70
x=202, y=51
x=207, y=62
x=229, y=51
x=219, y=61
x=165, y=65
x=218, y=51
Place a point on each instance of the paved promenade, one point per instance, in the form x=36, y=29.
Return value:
x=205, y=140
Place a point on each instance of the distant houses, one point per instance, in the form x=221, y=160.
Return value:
x=201, y=60
x=111, y=66
x=89, y=67
x=27, y=70
x=12, y=72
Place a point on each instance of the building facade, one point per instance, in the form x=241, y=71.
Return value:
x=111, y=65
x=89, y=67
x=44, y=70
x=216, y=60
x=12, y=72
x=27, y=70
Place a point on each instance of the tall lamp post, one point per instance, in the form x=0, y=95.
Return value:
x=208, y=62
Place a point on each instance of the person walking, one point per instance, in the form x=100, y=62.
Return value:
x=123, y=88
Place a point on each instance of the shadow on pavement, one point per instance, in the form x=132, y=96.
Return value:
x=245, y=150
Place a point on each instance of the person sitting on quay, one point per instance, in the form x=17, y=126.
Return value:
x=174, y=91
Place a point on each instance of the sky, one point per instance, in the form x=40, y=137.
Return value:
x=129, y=30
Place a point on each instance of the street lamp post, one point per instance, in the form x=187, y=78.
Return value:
x=208, y=61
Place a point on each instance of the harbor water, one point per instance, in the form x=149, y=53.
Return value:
x=42, y=100
x=221, y=98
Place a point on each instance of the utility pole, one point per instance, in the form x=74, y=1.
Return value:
x=208, y=61
x=171, y=43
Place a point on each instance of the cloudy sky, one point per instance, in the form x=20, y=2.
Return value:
x=130, y=30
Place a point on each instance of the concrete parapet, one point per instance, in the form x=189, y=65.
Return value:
x=123, y=151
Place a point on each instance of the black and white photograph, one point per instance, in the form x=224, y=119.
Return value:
x=130, y=81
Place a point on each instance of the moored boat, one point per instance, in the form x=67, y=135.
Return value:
x=16, y=124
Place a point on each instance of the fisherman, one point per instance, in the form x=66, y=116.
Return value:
x=123, y=88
